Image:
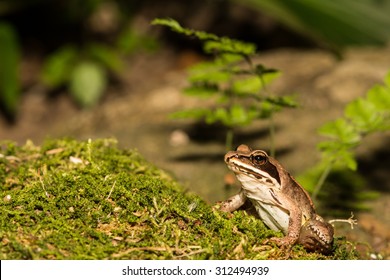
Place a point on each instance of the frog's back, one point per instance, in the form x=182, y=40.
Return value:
x=302, y=198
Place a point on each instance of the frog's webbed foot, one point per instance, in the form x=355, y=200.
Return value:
x=284, y=243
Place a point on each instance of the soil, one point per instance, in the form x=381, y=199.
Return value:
x=135, y=112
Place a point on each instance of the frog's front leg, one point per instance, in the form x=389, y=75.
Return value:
x=293, y=230
x=233, y=203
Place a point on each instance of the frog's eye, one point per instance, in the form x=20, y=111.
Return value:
x=259, y=159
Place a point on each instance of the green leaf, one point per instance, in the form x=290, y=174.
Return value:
x=88, y=82
x=274, y=104
x=260, y=70
x=338, y=154
x=219, y=115
x=363, y=114
x=309, y=178
x=250, y=85
x=230, y=117
x=213, y=43
x=283, y=101
x=58, y=66
x=226, y=60
x=175, y=26
x=379, y=96
x=340, y=130
x=269, y=77
x=239, y=115
x=202, y=91
x=106, y=56
x=266, y=109
x=331, y=146
x=227, y=45
x=347, y=158
x=9, y=64
x=209, y=73
x=196, y=114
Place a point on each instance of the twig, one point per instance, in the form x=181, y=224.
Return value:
x=43, y=186
x=350, y=221
x=112, y=188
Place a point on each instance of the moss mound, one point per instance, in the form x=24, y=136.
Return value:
x=90, y=200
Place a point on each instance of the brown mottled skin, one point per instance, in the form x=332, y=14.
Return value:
x=280, y=201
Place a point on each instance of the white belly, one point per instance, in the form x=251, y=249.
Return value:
x=275, y=217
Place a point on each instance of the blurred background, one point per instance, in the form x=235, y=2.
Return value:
x=98, y=68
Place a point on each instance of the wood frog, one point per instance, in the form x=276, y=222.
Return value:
x=279, y=200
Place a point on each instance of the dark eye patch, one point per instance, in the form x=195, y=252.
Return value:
x=271, y=170
x=261, y=160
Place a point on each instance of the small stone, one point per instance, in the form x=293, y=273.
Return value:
x=75, y=160
x=7, y=198
x=178, y=138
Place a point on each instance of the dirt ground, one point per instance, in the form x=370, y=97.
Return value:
x=136, y=114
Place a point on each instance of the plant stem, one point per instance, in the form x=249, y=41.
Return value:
x=229, y=139
x=321, y=181
x=272, y=136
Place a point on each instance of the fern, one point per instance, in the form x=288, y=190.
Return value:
x=233, y=81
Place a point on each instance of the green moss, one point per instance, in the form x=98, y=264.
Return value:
x=91, y=200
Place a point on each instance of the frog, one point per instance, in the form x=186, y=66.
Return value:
x=279, y=200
